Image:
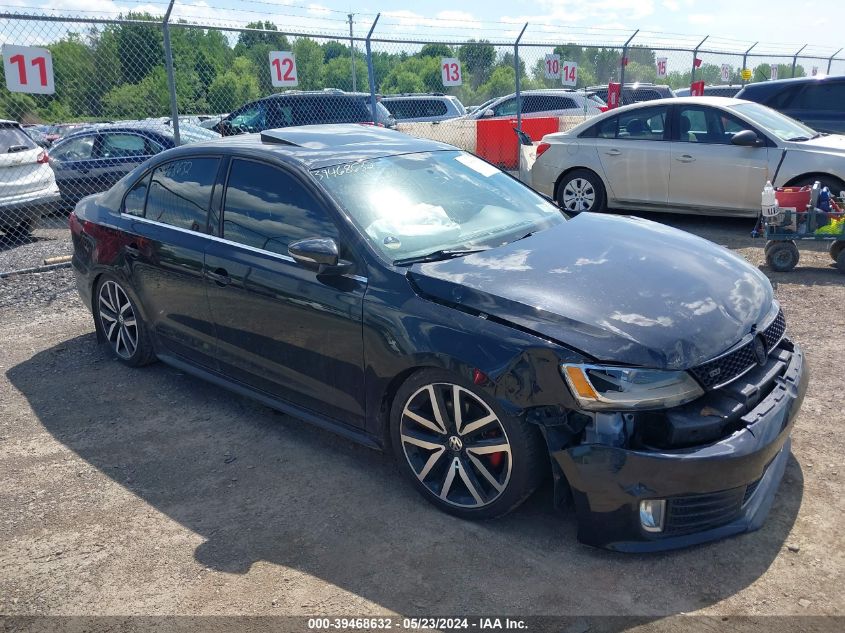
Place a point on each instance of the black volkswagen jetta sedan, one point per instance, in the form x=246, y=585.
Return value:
x=415, y=298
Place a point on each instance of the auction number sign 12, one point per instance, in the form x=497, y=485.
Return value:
x=28, y=69
x=450, y=71
x=283, y=69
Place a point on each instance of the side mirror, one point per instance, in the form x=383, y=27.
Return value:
x=488, y=113
x=747, y=138
x=320, y=254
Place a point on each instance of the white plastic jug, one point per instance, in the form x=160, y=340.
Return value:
x=768, y=201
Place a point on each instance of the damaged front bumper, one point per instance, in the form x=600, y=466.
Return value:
x=712, y=491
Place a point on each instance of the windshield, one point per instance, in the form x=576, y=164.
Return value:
x=194, y=133
x=416, y=204
x=785, y=128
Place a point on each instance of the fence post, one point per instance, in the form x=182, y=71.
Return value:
x=352, y=54
x=745, y=61
x=516, y=69
x=622, y=63
x=795, y=58
x=830, y=60
x=171, y=82
x=370, y=72
x=695, y=58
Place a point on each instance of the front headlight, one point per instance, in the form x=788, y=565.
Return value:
x=619, y=388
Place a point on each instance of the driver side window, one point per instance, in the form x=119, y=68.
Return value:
x=506, y=108
x=250, y=119
x=76, y=149
x=697, y=124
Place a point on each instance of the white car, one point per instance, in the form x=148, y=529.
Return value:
x=27, y=183
x=706, y=155
x=540, y=103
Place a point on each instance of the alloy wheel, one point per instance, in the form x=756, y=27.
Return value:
x=118, y=320
x=456, y=445
x=579, y=195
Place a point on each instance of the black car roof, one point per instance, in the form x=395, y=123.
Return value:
x=774, y=85
x=316, y=146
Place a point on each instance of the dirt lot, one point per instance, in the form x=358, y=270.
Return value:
x=150, y=492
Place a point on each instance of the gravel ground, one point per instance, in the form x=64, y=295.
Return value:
x=51, y=241
x=149, y=492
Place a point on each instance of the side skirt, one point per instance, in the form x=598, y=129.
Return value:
x=328, y=424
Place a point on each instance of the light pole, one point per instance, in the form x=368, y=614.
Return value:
x=352, y=53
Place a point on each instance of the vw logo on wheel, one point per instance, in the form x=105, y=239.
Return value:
x=455, y=443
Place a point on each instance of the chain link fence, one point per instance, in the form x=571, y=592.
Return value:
x=125, y=89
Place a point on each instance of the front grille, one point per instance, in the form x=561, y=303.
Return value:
x=702, y=512
x=724, y=369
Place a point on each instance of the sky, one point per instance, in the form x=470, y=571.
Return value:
x=731, y=24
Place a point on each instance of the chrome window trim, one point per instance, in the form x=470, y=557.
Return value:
x=285, y=258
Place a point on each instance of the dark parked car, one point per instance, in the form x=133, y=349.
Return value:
x=711, y=91
x=293, y=108
x=93, y=159
x=636, y=92
x=815, y=101
x=414, y=298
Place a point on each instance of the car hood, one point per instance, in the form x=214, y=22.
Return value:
x=833, y=143
x=621, y=290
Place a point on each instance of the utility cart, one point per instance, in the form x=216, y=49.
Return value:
x=784, y=226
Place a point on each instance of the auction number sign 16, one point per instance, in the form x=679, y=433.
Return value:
x=283, y=69
x=28, y=69
x=450, y=71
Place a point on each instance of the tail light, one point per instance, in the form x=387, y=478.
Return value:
x=43, y=158
x=541, y=149
x=604, y=108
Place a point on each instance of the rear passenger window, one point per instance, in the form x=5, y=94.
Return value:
x=821, y=96
x=133, y=203
x=180, y=192
x=266, y=208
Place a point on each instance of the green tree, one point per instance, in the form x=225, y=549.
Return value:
x=338, y=74
x=436, y=50
x=415, y=74
x=147, y=98
x=332, y=49
x=477, y=59
x=309, y=64
x=235, y=87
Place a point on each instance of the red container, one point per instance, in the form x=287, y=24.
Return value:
x=794, y=197
x=496, y=142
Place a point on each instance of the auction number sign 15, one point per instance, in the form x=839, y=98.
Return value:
x=283, y=69
x=450, y=71
x=28, y=69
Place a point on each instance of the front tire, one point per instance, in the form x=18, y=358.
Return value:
x=119, y=323
x=581, y=190
x=782, y=256
x=460, y=449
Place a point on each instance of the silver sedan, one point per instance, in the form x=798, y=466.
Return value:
x=706, y=155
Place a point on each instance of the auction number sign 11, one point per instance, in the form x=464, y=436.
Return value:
x=28, y=69
x=283, y=69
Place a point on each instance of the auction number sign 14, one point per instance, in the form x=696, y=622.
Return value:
x=569, y=73
x=28, y=69
x=283, y=69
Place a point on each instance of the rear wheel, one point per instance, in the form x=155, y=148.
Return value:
x=119, y=322
x=782, y=256
x=840, y=261
x=21, y=232
x=460, y=449
x=581, y=190
x=836, y=248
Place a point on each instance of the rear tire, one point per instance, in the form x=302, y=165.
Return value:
x=581, y=190
x=119, y=323
x=448, y=458
x=22, y=232
x=782, y=256
x=836, y=248
x=840, y=262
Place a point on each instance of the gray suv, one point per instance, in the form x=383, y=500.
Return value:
x=423, y=107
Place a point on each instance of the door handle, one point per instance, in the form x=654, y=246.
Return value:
x=685, y=158
x=219, y=276
x=132, y=250
x=613, y=152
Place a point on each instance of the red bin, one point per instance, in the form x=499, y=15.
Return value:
x=793, y=197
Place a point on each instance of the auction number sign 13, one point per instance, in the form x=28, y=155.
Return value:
x=28, y=69
x=283, y=69
x=450, y=71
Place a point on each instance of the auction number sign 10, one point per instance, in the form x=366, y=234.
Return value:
x=28, y=69
x=283, y=69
